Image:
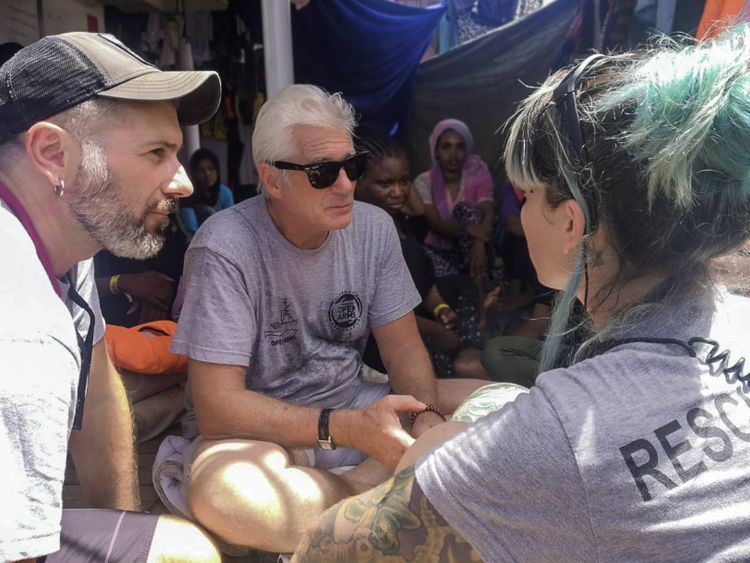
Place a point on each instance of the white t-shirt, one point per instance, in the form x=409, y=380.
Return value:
x=39, y=370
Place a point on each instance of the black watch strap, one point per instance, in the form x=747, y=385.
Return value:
x=324, y=435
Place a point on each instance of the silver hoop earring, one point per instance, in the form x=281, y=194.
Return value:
x=60, y=190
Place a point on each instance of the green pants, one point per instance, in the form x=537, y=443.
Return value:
x=513, y=359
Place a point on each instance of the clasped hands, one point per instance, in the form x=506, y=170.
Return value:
x=378, y=430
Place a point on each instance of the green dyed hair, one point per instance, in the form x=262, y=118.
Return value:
x=667, y=131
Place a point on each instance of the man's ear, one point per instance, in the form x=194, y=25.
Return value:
x=574, y=223
x=271, y=179
x=50, y=149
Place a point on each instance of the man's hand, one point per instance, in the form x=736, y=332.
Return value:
x=376, y=429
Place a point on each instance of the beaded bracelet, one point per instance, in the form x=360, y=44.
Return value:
x=430, y=407
x=113, y=289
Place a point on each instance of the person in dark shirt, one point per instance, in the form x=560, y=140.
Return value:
x=387, y=183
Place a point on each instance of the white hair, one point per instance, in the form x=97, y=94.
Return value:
x=298, y=105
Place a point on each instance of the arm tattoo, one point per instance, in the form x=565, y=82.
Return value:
x=391, y=523
x=485, y=400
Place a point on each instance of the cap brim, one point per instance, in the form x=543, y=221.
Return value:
x=198, y=92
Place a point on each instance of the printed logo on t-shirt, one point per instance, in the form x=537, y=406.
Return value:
x=689, y=445
x=285, y=328
x=346, y=310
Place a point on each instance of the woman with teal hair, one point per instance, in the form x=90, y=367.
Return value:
x=636, y=172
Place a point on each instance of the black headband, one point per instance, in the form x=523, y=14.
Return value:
x=565, y=103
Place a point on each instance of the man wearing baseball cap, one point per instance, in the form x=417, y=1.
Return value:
x=89, y=134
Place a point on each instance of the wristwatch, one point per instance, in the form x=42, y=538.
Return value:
x=324, y=436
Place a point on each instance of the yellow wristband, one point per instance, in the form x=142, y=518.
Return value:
x=439, y=307
x=113, y=289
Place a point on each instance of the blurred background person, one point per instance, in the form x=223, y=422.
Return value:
x=209, y=193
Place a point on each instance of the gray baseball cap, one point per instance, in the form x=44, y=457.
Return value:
x=61, y=71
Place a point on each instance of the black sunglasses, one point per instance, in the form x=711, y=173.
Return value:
x=323, y=174
x=86, y=347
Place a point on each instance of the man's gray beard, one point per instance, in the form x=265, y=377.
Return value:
x=99, y=205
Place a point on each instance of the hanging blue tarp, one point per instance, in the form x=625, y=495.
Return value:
x=367, y=49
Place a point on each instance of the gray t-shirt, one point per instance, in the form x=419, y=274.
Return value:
x=298, y=319
x=39, y=369
x=637, y=454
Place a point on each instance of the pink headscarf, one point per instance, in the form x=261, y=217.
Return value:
x=476, y=178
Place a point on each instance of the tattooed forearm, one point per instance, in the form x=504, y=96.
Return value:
x=392, y=522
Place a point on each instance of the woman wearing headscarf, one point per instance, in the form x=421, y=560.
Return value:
x=457, y=192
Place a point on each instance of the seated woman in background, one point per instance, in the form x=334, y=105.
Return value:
x=457, y=193
x=636, y=172
x=387, y=184
x=209, y=194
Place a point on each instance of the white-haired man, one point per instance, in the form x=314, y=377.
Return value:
x=88, y=139
x=282, y=292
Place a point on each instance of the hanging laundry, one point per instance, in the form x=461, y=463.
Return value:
x=199, y=32
x=158, y=40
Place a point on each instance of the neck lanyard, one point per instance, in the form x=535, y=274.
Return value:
x=705, y=350
x=17, y=209
x=85, y=345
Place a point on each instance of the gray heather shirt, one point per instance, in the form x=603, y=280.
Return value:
x=298, y=319
x=638, y=454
